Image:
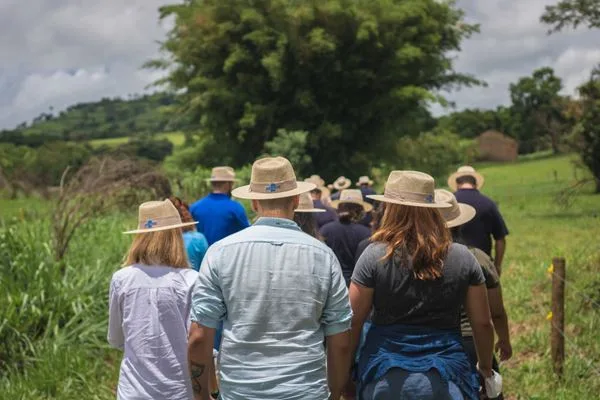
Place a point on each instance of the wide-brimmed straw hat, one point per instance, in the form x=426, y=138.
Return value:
x=320, y=182
x=272, y=178
x=364, y=180
x=352, y=196
x=459, y=213
x=342, y=183
x=222, y=174
x=156, y=216
x=306, y=205
x=465, y=170
x=410, y=188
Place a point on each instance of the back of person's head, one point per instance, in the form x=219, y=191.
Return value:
x=164, y=248
x=419, y=233
x=350, y=213
x=316, y=193
x=308, y=223
x=184, y=212
x=221, y=187
x=377, y=216
x=466, y=179
x=285, y=205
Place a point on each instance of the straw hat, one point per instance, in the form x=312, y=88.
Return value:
x=465, y=170
x=156, y=216
x=456, y=215
x=352, y=196
x=272, y=178
x=222, y=174
x=320, y=182
x=364, y=180
x=410, y=188
x=342, y=183
x=306, y=205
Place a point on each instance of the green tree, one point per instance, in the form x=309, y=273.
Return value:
x=589, y=125
x=470, y=123
x=291, y=145
x=536, y=107
x=572, y=13
x=350, y=72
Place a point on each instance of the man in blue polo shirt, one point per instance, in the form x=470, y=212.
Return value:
x=217, y=215
x=488, y=221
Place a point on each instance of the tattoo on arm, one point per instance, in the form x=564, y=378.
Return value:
x=196, y=372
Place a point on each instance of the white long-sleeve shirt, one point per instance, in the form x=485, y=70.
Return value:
x=149, y=310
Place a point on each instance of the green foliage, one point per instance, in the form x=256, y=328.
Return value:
x=291, y=145
x=589, y=125
x=146, y=147
x=352, y=73
x=536, y=108
x=471, y=123
x=106, y=118
x=434, y=152
x=573, y=13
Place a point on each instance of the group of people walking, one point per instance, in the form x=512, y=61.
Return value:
x=375, y=296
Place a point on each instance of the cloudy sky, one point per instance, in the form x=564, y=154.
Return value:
x=60, y=52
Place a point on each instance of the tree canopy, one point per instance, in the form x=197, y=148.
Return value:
x=572, y=13
x=350, y=72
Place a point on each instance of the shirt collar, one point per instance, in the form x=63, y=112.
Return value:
x=278, y=223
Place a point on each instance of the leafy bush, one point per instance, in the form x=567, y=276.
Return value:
x=435, y=153
x=291, y=145
x=148, y=148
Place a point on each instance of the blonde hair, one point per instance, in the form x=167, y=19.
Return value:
x=158, y=248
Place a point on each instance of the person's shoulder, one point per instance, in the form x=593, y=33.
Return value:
x=375, y=249
x=363, y=229
x=480, y=255
x=123, y=274
x=329, y=226
x=189, y=274
x=459, y=251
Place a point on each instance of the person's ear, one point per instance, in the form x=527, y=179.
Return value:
x=255, y=206
x=296, y=202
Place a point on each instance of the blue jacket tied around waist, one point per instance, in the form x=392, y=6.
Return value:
x=417, y=349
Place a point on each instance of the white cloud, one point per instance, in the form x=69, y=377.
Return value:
x=60, y=52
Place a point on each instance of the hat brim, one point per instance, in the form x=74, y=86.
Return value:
x=244, y=192
x=366, y=206
x=310, y=210
x=160, y=228
x=467, y=213
x=383, y=199
x=370, y=183
x=342, y=187
x=452, y=179
x=221, y=180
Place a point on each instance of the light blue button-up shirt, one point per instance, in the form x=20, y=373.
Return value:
x=279, y=292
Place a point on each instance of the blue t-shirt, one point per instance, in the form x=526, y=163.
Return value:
x=195, y=246
x=488, y=221
x=218, y=217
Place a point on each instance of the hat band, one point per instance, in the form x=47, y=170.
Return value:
x=158, y=222
x=273, y=187
x=425, y=198
x=222, y=177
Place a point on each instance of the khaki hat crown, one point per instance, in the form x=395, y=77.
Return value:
x=306, y=204
x=410, y=188
x=222, y=174
x=352, y=196
x=272, y=178
x=158, y=216
x=465, y=170
x=342, y=183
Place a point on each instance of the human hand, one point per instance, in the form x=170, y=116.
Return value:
x=504, y=348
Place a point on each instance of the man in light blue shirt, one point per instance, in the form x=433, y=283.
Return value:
x=280, y=292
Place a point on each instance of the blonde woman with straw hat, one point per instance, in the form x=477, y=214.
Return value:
x=280, y=294
x=344, y=235
x=456, y=216
x=305, y=214
x=149, y=307
x=413, y=281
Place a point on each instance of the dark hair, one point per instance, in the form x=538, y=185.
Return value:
x=349, y=213
x=308, y=223
x=184, y=213
x=376, y=216
x=466, y=179
x=457, y=236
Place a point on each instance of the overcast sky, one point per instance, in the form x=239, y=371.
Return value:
x=60, y=52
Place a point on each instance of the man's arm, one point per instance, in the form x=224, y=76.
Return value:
x=200, y=359
x=500, y=320
x=499, y=249
x=241, y=217
x=336, y=319
x=338, y=362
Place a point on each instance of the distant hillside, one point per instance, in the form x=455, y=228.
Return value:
x=107, y=118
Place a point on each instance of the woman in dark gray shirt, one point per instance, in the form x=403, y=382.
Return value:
x=415, y=280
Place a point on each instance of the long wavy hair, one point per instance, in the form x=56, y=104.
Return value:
x=158, y=248
x=184, y=213
x=308, y=224
x=418, y=233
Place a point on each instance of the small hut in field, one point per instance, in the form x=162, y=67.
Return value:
x=496, y=146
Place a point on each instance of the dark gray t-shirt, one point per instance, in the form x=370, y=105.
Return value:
x=400, y=298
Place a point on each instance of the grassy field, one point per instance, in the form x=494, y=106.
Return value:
x=52, y=333
x=177, y=138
